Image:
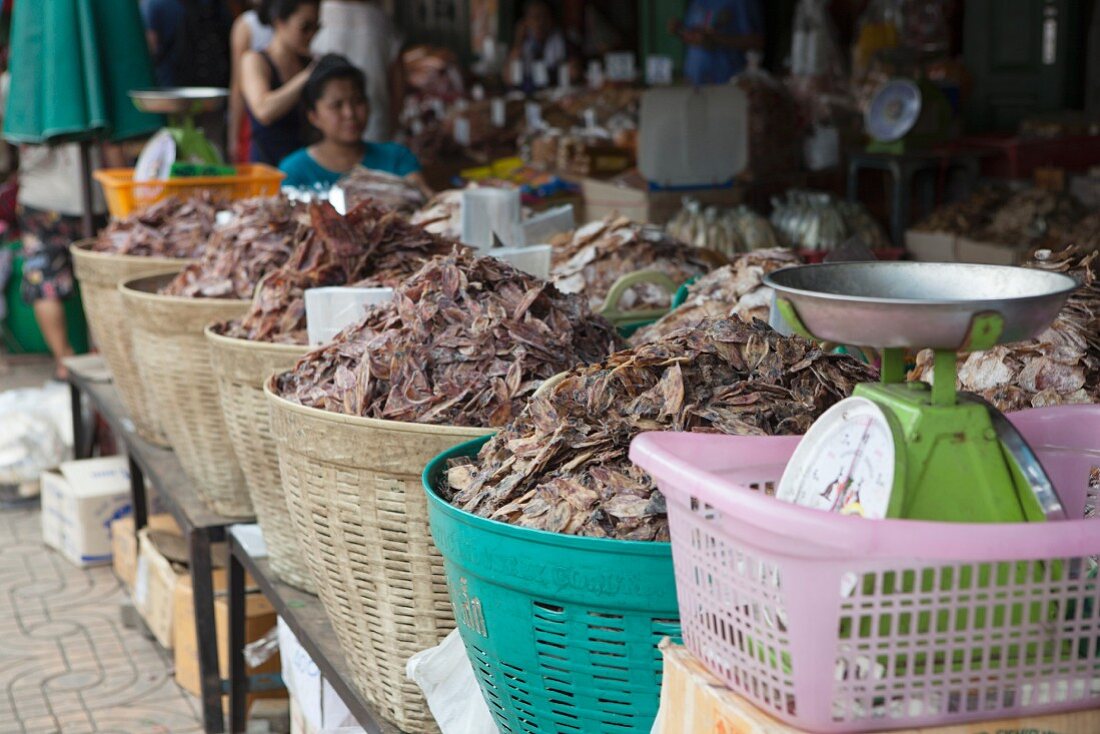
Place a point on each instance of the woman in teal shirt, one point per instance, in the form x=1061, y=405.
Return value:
x=336, y=105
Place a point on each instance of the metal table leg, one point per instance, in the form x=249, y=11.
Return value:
x=853, y=179
x=238, y=675
x=138, y=500
x=82, y=448
x=899, y=217
x=206, y=634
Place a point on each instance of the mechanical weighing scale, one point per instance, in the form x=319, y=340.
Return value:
x=901, y=449
x=906, y=115
x=181, y=143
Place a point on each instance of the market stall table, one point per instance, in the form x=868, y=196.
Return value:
x=201, y=527
x=306, y=617
x=904, y=168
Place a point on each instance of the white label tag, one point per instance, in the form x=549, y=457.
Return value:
x=499, y=112
x=564, y=80
x=462, y=131
x=540, y=75
x=534, y=115
x=658, y=70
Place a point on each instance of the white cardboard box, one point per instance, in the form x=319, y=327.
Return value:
x=319, y=708
x=79, y=504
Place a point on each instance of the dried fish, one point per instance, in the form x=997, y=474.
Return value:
x=466, y=341
x=775, y=131
x=1037, y=218
x=260, y=238
x=371, y=246
x=1061, y=366
x=590, y=260
x=562, y=464
x=384, y=189
x=735, y=290
x=172, y=227
x=442, y=215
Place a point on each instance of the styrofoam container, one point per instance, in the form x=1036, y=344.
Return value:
x=841, y=624
x=544, y=225
x=488, y=211
x=534, y=260
x=693, y=136
x=330, y=310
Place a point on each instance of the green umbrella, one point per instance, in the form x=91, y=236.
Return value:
x=72, y=63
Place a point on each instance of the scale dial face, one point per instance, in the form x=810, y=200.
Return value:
x=846, y=462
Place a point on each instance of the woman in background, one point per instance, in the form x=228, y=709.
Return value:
x=50, y=208
x=272, y=80
x=249, y=33
x=336, y=105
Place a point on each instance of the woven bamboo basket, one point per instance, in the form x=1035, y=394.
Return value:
x=241, y=367
x=99, y=274
x=173, y=357
x=353, y=488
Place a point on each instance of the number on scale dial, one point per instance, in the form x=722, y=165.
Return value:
x=845, y=463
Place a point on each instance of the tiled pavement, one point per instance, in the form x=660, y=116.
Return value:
x=67, y=664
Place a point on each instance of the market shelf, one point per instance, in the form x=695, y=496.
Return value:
x=306, y=617
x=88, y=376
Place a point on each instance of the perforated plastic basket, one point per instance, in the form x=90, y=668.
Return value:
x=840, y=624
x=562, y=631
x=124, y=195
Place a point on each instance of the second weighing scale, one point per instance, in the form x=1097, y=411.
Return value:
x=181, y=142
x=911, y=450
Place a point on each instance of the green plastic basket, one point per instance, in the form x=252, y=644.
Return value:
x=562, y=631
x=682, y=292
x=628, y=322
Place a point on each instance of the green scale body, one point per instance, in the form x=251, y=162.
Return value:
x=950, y=463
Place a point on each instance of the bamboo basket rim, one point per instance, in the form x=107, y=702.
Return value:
x=128, y=289
x=235, y=342
x=375, y=423
x=82, y=248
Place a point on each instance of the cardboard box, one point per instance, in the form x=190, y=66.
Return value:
x=936, y=247
x=124, y=544
x=694, y=701
x=314, y=702
x=950, y=248
x=602, y=198
x=260, y=617
x=79, y=504
x=990, y=253
x=155, y=582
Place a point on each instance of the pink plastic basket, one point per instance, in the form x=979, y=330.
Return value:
x=840, y=624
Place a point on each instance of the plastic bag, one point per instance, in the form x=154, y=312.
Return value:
x=259, y=651
x=814, y=48
x=35, y=432
x=446, y=677
x=29, y=445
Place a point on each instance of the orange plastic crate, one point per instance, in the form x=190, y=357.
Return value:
x=125, y=196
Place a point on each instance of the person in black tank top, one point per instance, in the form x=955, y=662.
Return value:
x=272, y=80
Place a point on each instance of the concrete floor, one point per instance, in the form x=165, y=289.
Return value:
x=67, y=663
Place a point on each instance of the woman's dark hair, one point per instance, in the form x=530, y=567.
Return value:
x=273, y=10
x=330, y=67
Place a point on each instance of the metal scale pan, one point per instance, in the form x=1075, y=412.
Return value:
x=919, y=305
x=177, y=101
